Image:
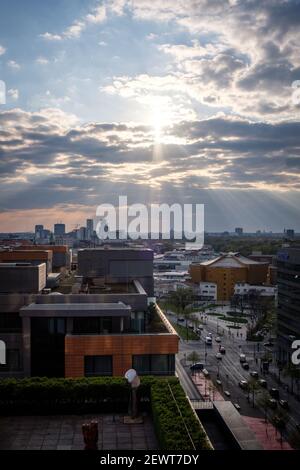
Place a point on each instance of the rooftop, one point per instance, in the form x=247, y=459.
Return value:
x=230, y=260
x=76, y=310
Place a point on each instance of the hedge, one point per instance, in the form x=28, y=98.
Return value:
x=44, y=396
x=176, y=431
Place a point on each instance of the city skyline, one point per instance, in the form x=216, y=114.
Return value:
x=165, y=102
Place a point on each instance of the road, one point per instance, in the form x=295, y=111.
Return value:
x=229, y=370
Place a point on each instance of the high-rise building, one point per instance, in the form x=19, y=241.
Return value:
x=38, y=231
x=89, y=228
x=239, y=231
x=59, y=230
x=289, y=233
x=288, y=278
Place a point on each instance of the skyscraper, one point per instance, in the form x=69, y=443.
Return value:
x=59, y=230
x=89, y=228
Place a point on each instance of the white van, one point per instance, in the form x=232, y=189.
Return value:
x=208, y=340
x=242, y=358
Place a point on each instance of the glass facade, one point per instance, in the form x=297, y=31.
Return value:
x=154, y=364
x=98, y=366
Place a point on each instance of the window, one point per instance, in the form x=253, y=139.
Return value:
x=154, y=364
x=13, y=361
x=92, y=326
x=98, y=366
x=10, y=323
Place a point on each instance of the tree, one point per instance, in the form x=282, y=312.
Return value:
x=280, y=419
x=292, y=371
x=179, y=302
x=193, y=357
x=263, y=401
x=253, y=387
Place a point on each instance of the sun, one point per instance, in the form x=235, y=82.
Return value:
x=160, y=116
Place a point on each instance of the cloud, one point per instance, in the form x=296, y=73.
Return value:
x=12, y=64
x=2, y=50
x=74, y=31
x=51, y=37
x=42, y=61
x=13, y=93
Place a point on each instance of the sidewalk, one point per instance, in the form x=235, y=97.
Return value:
x=266, y=434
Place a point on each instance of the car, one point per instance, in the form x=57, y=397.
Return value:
x=242, y=358
x=219, y=356
x=208, y=341
x=197, y=366
x=218, y=381
x=269, y=344
x=205, y=372
x=200, y=328
x=218, y=339
x=254, y=374
x=263, y=383
x=284, y=404
x=191, y=327
x=237, y=406
x=181, y=319
x=227, y=393
x=272, y=403
x=245, y=365
x=274, y=392
x=243, y=384
x=222, y=350
x=210, y=334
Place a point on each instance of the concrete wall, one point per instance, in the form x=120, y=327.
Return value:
x=22, y=279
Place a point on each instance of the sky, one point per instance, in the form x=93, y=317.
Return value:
x=174, y=101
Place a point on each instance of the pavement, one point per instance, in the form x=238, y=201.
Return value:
x=64, y=433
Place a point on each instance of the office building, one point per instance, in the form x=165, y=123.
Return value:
x=288, y=321
x=239, y=231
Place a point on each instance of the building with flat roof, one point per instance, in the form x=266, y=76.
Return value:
x=90, y=326
x=288, y=311
x=227, y=270
x=60, y=254
x=34, y=257
x=19, y=284
x=118, y=265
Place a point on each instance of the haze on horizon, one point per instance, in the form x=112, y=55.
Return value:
x=175, y=101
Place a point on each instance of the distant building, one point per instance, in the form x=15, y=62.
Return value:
x=59, y=230
x=227, y=270
x=208, y=291
x=28, y=256
x=244, y=289
x=89, y=229
x=38, y=231
x=60, y=254
x=239, y=231
x=289, y=233
x=288, y=313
